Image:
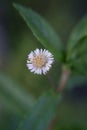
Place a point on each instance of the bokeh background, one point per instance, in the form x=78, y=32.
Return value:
x=19, y=88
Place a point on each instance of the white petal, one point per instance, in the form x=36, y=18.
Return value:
x=37, y=51
x=47, y=68
x=30, y=66
x=33, y=70
x=28, y=61
x=50, y=61
x=38, y=71
x=41, y=51
x=27, y=65
x=31, y=55
x=44, y=70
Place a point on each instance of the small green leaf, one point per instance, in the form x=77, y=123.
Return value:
x=80, y=32
x=42, y=30
x=79, y=57
x=80, y=66
x=42, y=113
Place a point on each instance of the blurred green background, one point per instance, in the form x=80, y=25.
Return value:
x=19, y=88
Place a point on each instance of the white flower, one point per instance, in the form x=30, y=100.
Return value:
x=40, y=61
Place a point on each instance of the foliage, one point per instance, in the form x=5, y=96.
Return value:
x=38, y=114
x=42, y=30
x=42, y=113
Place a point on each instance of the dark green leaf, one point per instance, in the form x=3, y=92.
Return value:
x=79, y=57
x=42, y=30
x=78, y=33
x=43, y=112
x=80, y=66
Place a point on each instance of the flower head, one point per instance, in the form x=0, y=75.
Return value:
x=40, y=61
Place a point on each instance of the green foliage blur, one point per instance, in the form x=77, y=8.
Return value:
x=19, y=88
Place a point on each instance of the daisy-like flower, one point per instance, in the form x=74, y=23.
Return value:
x=40, y=61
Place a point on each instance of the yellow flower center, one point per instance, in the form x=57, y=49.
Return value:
x=39, y=61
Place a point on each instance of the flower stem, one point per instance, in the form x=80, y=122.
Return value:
x=63, y=80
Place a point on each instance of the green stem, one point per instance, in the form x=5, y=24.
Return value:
x=63, y=80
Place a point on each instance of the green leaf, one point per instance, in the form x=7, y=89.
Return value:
x=79, y=57
x=79, y=33
x=13, y=95
x=77, y=48
x=43, y=112
x=42, y=30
